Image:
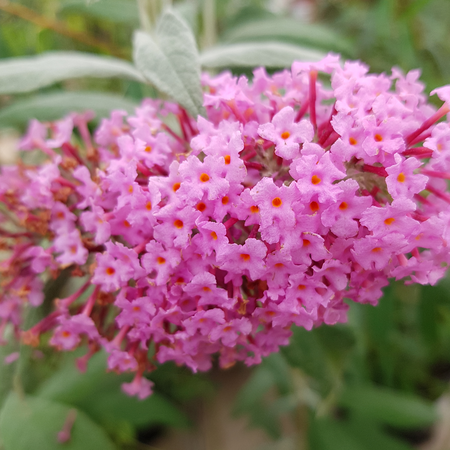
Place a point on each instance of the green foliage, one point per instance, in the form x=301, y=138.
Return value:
x=286, y=29
x=332, y=434
x=54, y=105
x=100, y=396
x=116, y=11
x=251, y=54
x=388, y=406
x=350, y=386
x=32, y=422
x=28, y=74
x=170, y=61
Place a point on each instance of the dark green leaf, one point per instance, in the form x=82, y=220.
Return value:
x=34, y=423
x=52, y=106
x=254, y=390
x=31, y=73
x=114, y=406
x=373, y=436
x=388, y=406
x=99, y=394
x=327, y=434
x=279, y=367
x=307, y=353
x=170, y=61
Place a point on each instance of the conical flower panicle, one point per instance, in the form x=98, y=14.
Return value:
x=219, y=234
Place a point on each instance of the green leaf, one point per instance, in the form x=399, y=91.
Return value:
x=7, y=371
x=99, y=394
x=114, y=406
x=69, y=385
x=33, y=423
x=428, y=313
x=373, y=436
x=279, y=367
x=327, y=434
x=31, y=73
x=285, y=28
x=252, y=54
x=170, y=61
x=254, y=390
x=52, y=106
x=388, y=406
x=118, y=11
x=307, y=353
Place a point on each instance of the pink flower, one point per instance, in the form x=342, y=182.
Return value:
x=287, y=134
x=216, y=237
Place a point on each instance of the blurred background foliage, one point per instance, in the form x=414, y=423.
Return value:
x=380, y=381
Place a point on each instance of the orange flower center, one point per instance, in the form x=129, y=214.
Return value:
x=277, y=202
x=245, y=256
x=314, y=206
x=285, y=135
x=204, y=177
x=201, y=207
x=315, y=179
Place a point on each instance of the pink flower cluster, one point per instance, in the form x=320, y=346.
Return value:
x=192, y=238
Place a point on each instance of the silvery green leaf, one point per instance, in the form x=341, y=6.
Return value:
x=170, y=61
x=51, y=106
x=253, y=54
x=33, y=72
x=289, y=29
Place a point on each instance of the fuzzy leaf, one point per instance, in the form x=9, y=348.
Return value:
x=253, y=54
x=289, y=29
x=170, y=61
x=34, y=72
x=47, y=107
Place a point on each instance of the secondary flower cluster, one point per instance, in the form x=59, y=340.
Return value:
x=192, y=238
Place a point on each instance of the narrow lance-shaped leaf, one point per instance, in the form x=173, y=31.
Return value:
x=170, y=61
x=312, y=35
x=252, y=54
x=51, y=106
x=31, y=73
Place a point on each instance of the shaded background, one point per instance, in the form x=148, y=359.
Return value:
x=380, y=381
